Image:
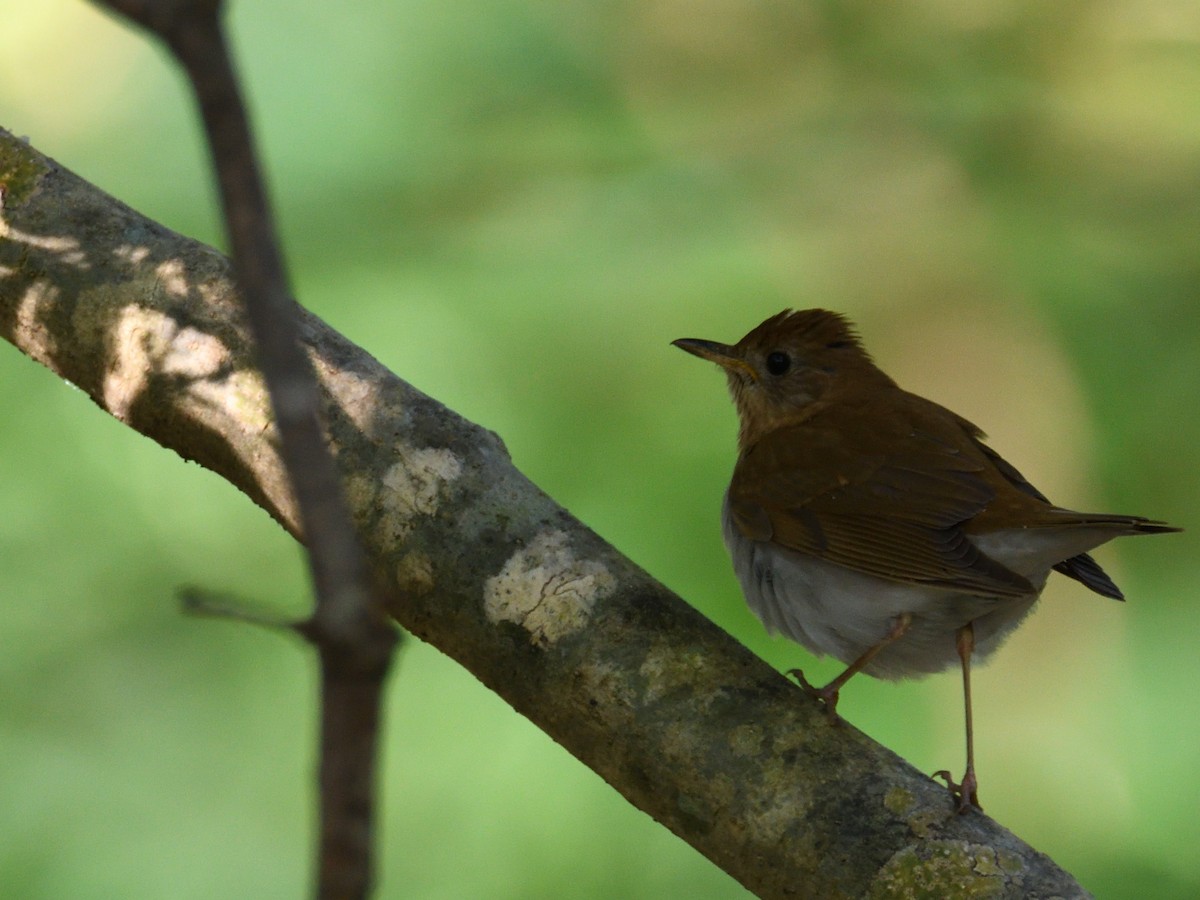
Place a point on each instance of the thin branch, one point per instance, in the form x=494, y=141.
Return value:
x=354, y=641
x=676, y=715
x=200, y=602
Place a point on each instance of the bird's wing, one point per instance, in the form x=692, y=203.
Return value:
x=1082, y=568
x=896, y=513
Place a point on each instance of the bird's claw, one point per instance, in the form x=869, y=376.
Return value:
x=828, y=695
x=965, y=792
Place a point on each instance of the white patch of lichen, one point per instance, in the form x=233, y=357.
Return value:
x=413, y=487
x=546, y=589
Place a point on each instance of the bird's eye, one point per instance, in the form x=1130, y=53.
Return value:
x=778, y=362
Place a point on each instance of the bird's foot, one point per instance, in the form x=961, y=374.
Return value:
x=965, y=792
x=828, y=695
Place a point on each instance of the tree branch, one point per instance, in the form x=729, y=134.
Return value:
x=671, y=711
x=354, y=641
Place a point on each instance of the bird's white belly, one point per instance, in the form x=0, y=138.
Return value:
x=833, y=610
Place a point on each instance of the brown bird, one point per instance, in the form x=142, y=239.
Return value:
x=874, y=525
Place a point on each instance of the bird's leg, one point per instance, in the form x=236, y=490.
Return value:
x=966, y=791
x=829, y=694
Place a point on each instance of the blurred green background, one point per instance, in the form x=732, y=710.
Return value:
x=516, y=206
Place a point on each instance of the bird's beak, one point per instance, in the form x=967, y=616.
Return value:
x=725, y=356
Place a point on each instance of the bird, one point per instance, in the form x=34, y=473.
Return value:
x=870, y=524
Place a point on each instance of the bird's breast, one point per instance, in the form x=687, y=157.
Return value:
x=835, y=610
